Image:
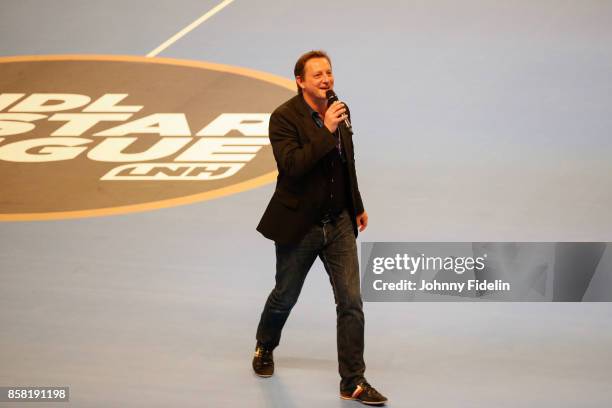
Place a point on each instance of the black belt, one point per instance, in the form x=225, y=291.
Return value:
x=330, y=217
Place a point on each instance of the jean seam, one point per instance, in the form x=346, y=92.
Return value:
x=331, y=275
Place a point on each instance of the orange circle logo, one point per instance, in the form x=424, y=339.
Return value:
x=89, y=135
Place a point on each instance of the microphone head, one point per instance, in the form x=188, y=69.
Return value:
x=331, y=97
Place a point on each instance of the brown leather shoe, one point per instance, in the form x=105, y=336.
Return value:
x=263, y=362
x=366, y=394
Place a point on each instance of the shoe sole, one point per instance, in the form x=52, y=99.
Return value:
x=363, y=402
x=263, y=375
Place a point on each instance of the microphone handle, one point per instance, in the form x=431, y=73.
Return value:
x=347, y=122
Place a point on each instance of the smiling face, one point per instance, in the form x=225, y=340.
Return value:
x=317, y=79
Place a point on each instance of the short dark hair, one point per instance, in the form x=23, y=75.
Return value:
x=298, y=70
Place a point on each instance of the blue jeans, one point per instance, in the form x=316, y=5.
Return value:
x=334, y=243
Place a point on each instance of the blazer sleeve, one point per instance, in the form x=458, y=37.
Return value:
x=357, y=195
x=292, y=157
x=359, y=202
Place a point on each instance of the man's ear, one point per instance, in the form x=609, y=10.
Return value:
x=299, y=82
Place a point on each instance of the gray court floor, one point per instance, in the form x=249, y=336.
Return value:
x=474, y=120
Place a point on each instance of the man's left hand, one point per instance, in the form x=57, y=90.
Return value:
x=362, y=221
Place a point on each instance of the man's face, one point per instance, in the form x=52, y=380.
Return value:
x=317, y=79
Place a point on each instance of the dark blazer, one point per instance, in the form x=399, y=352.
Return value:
x=298, y=146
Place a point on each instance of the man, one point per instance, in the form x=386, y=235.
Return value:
x=315, y=211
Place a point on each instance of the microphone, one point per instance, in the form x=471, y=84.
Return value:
x=331, y=98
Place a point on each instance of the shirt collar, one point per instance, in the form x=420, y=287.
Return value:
x=313, y=114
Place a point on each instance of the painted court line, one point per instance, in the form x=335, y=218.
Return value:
x=190, y=27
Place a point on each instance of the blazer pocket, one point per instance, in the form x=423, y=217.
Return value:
x=287, y=199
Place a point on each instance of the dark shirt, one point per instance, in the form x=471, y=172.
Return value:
x=336, y=173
